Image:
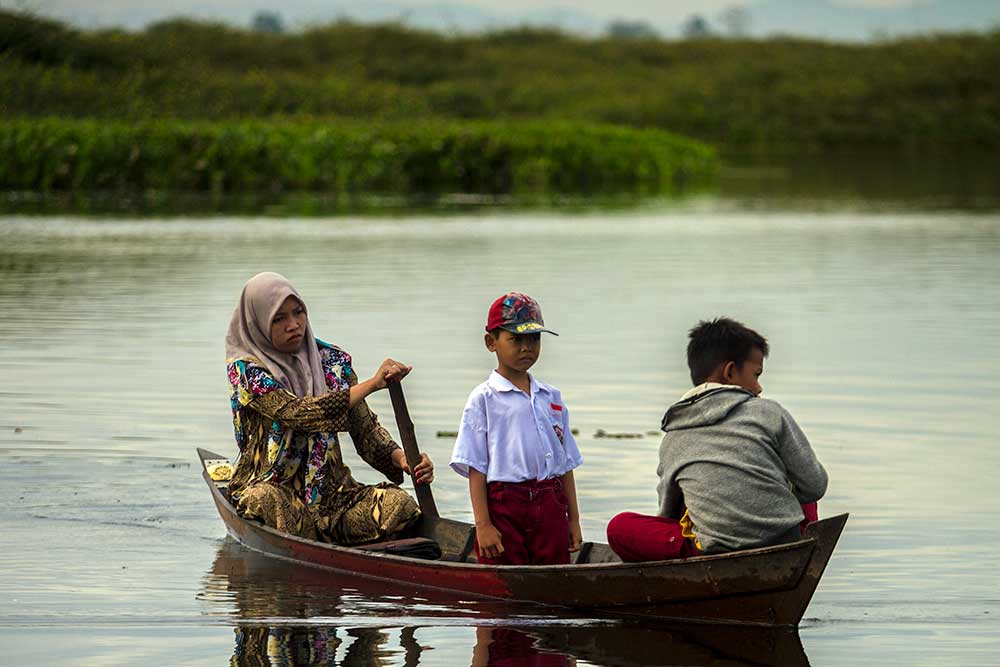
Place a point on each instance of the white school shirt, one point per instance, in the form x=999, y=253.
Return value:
x=513, y=437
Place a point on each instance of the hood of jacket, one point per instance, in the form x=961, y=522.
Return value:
x=704, y=407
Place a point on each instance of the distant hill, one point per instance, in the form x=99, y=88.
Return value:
x=826, y=19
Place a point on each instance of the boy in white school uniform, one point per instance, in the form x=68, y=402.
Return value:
x=516, y=448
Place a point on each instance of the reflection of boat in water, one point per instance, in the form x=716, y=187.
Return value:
x=290, y=615
x=636, y=643
x=771, y=586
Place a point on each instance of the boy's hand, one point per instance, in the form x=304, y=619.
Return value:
x=575, y=536
x=489, y=541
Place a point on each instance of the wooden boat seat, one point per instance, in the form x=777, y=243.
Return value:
x=595, y=552
x=411, y=547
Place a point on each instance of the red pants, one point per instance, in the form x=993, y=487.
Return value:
x=811, y=513
x=508, y=647
x=640, y=537
x=533, y=521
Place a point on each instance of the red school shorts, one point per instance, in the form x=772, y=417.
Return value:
x=533, y=521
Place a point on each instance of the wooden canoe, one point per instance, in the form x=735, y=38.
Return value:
x=771, y=586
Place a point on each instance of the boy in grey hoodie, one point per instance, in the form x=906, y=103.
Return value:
x=735, y=469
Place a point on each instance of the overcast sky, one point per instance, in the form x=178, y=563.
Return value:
x=654, y=10
x=846, y=19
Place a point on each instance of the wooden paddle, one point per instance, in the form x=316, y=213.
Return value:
x=409, y=441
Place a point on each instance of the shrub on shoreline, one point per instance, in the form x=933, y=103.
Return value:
x=342, y=157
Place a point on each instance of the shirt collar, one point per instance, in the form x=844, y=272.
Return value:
x=500, y=383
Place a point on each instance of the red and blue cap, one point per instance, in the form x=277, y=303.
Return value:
x=517, y=313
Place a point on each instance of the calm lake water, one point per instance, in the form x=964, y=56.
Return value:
x=884, y=322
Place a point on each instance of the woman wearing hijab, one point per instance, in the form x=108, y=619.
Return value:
x=291, y=393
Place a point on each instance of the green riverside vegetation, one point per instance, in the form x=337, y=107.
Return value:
x=345, y=156
x=538, y=104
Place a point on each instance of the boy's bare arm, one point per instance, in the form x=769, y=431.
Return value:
x=569, y=489
x=487, y=535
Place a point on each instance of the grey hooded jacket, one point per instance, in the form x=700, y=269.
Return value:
x=741, y=466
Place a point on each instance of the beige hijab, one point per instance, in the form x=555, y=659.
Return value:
x=250, y=336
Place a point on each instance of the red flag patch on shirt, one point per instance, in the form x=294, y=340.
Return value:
x=556, y=406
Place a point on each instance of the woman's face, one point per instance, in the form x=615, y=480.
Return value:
x=288, y=328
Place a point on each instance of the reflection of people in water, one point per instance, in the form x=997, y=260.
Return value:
x=261, y=645
x=507, y=647
x=263, y=588
x=292, y=646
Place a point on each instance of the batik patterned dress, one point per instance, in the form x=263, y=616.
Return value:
x=291, y=474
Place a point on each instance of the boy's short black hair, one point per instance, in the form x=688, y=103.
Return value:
x=718, y=341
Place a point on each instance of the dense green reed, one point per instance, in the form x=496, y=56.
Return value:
x=779, y=95
x=343, y=157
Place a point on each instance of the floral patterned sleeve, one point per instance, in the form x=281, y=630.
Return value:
x=256, y=389
x=374, y=444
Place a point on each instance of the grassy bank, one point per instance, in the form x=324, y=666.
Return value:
x=344, y=157
x=779, y=95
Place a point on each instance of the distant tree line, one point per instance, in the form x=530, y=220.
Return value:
x=779, y=94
